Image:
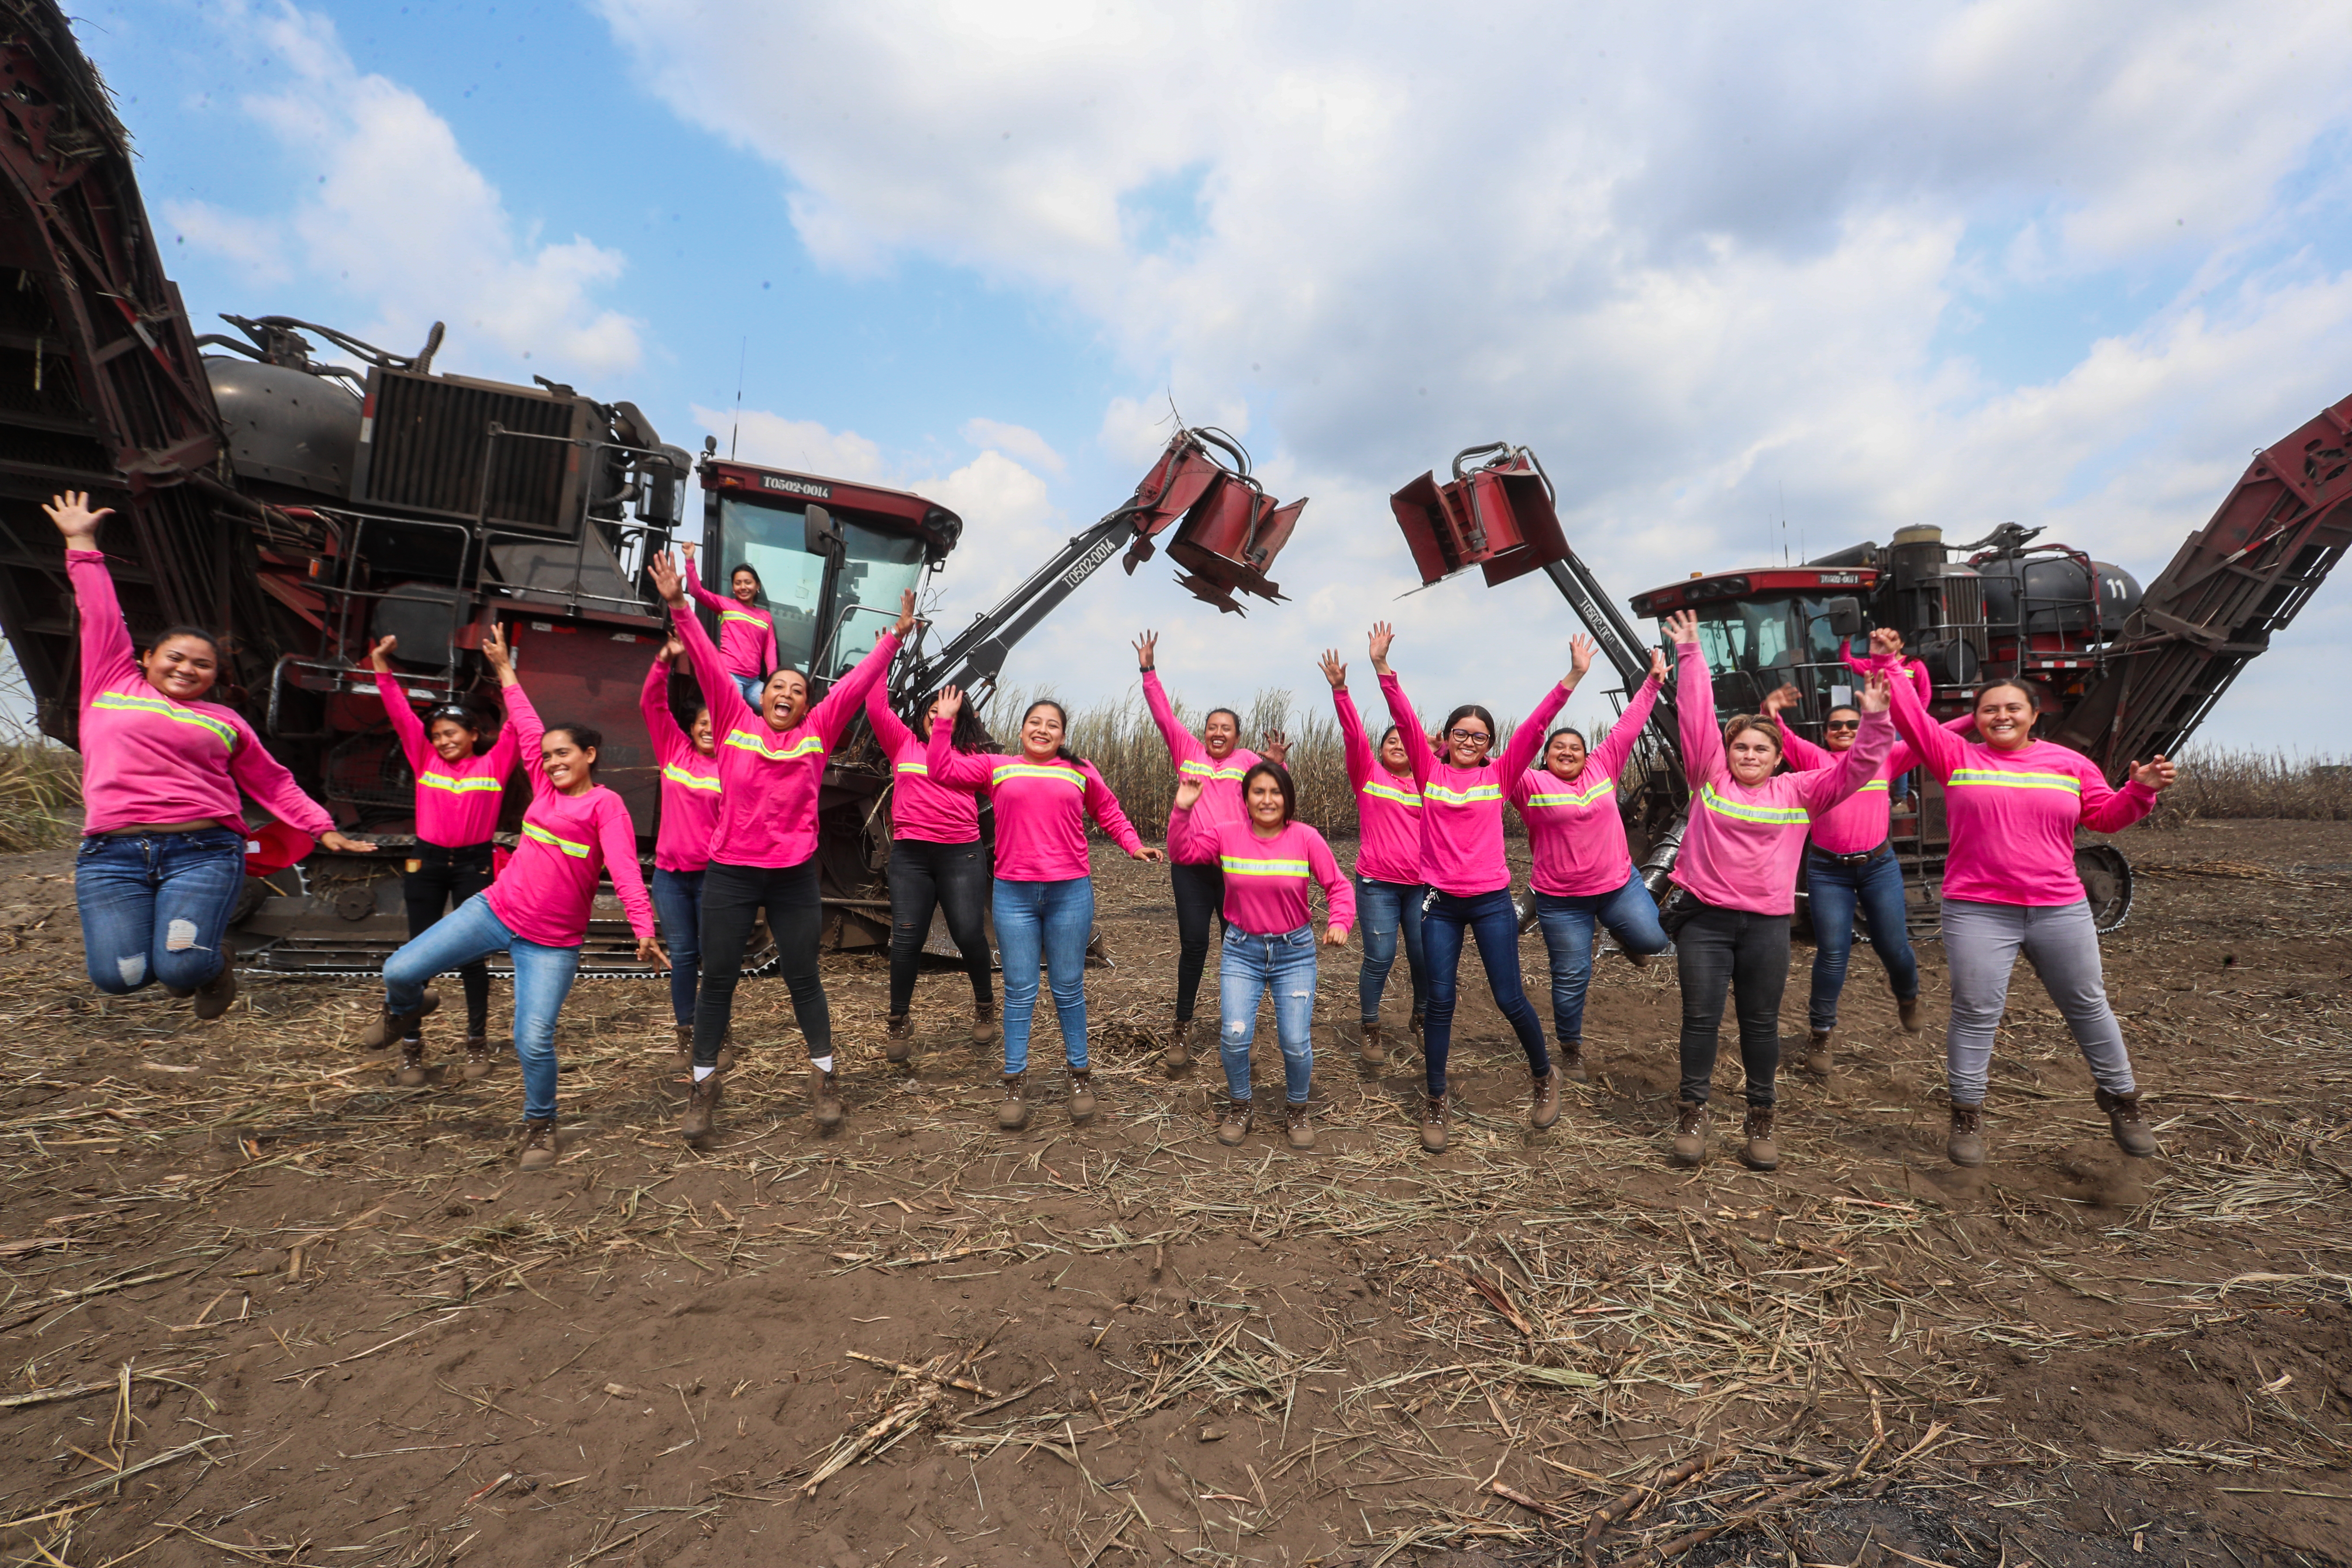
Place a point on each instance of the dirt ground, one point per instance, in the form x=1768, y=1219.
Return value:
x=262, y=1308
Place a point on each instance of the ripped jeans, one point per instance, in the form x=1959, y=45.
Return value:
x=1249, y=967
x=154, y=906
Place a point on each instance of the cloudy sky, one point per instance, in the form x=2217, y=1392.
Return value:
x=1747, y=279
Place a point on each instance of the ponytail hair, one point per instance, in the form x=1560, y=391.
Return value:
x=587, y=737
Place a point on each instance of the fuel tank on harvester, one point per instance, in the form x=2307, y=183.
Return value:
x=287, y=427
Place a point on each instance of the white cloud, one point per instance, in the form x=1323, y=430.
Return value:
x=1708, y=264
x=1017, y=439
x=393, y=207
x=776, y=441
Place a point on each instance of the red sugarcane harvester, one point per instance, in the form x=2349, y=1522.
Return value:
x=2120, y=672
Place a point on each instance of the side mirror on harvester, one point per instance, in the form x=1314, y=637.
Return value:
x=1844, y=614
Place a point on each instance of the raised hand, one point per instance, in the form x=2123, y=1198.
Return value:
x=1780, y=700
x=1658, y=664
x=1579, y=657
x=1276, y=748
x=1188, y=794
x=669, y=582
x=1885, y=642
x=1878, y=692
x=948, y=703
x=1382, y=636
x=671, y=651
x=1333, y=670
x=376, y=651
x=499, y=653
x=906, y=622
x=1682, y=628
x=1147, y=650
x=687, y=546
x=70, y=511
x=2159, y=774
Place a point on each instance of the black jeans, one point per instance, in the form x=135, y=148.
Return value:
x=443, y=880
x=1720, y=949
x=732, y=899
x=957, y=878
x=1200, y=893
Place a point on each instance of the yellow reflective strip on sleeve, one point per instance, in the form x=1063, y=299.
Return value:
x=1243, y=866
x=708, y=783
x=1998, y=778
x=164, y=708
x=915, y=767
x=1752, y=811
x=533, y=830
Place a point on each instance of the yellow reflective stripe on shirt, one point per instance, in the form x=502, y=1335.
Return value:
x=1390, y=792
x=1444, y=796
x=760, y=621
x=125, y=702
x=1244, y=866
x=806, y=746
x=1752, y=811
x=1036, y=770
x=478, y=785
x=915, y=767
x=1878, y=784
x=577, y=851
x=1209, y=772
x=1999, y=778
x=1573, y=797
x=678, y=775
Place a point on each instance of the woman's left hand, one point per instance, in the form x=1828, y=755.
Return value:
x=1682, y=628
x=1157, y=856
x=1579, y=657
x=906, y=622
x=499, y=653
x=2159, y=774
x=1335, y=936
x=1276, y=748
x=652, y=951
x=1878, y=692
x=343, y=846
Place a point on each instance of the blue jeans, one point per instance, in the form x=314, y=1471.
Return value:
x=1250, y=966
x=751, y=685
x=1834, y=891
x=1048, y=921
x=1632, y=917
x=1495, y=923
x=542, y=978
x=1384, y=912
x=155, y=906
x=677, y=903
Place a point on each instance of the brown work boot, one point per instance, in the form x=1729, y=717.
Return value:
x=1370, y=1049
x=1910, y=1009
x=213, y=996
x=1432, y=1123
x=985, y=1030
x=686, y=1044
x=1300, y=1125
x=900, y=1041
x=1691, y=1128
x=1571, y=1063
x=1760, y=1153
x=1545, y=1093
x=411, y=1072
x=538, y=1144
x=1014, y=1114
x=1178, y=1054
x=1418, y=1026
x=2130, y=1124
x=390, y=1026
x=1240, y=1116
x=1966, y=1146
x=478, y=1059
x=1638, y=960
x=825, y=1098
x=701, y=1105
x=1819, y=1056
x=1082, y=1096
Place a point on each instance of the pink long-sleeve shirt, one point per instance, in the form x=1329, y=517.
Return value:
x=769, y=778
x=1860, y=822
x=1743, y=844
x=1041, y=808
x=1576, y=834
x=457, y=803
x=1462, y=808
x=546, y=891
x=2013, y=814
x=747, y=634
x=690, y=785
x=146, y=757
x=919, y=807
x=1921, y=682
x=1221, y=777
x=1388, y=805
x=1266, y=878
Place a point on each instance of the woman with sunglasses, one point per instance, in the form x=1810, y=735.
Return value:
x=162, y=861
x=937, y=862
x=763, y=849
x=1044, y=898
x=690, y=790
x=2011, y=806
x=747, y=629
x=1735, y=886
x=460, y=785
x=1583, y=874
x=1469, y=880
x=537, y=911
x=1389, y=889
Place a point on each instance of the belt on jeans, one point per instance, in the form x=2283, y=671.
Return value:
x=458, y=854
x=1862, y=860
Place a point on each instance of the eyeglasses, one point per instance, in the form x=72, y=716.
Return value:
x=1466, y=734
x=1842, y=724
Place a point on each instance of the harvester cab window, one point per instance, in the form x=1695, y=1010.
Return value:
x=774, y=541
x=1750, y=648
x=876, y=569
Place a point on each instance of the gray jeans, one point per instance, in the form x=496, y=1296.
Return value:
x=1981, y=942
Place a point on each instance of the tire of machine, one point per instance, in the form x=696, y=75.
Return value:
x=2106, y=883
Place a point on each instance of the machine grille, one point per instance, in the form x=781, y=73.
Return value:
x=429, y=435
